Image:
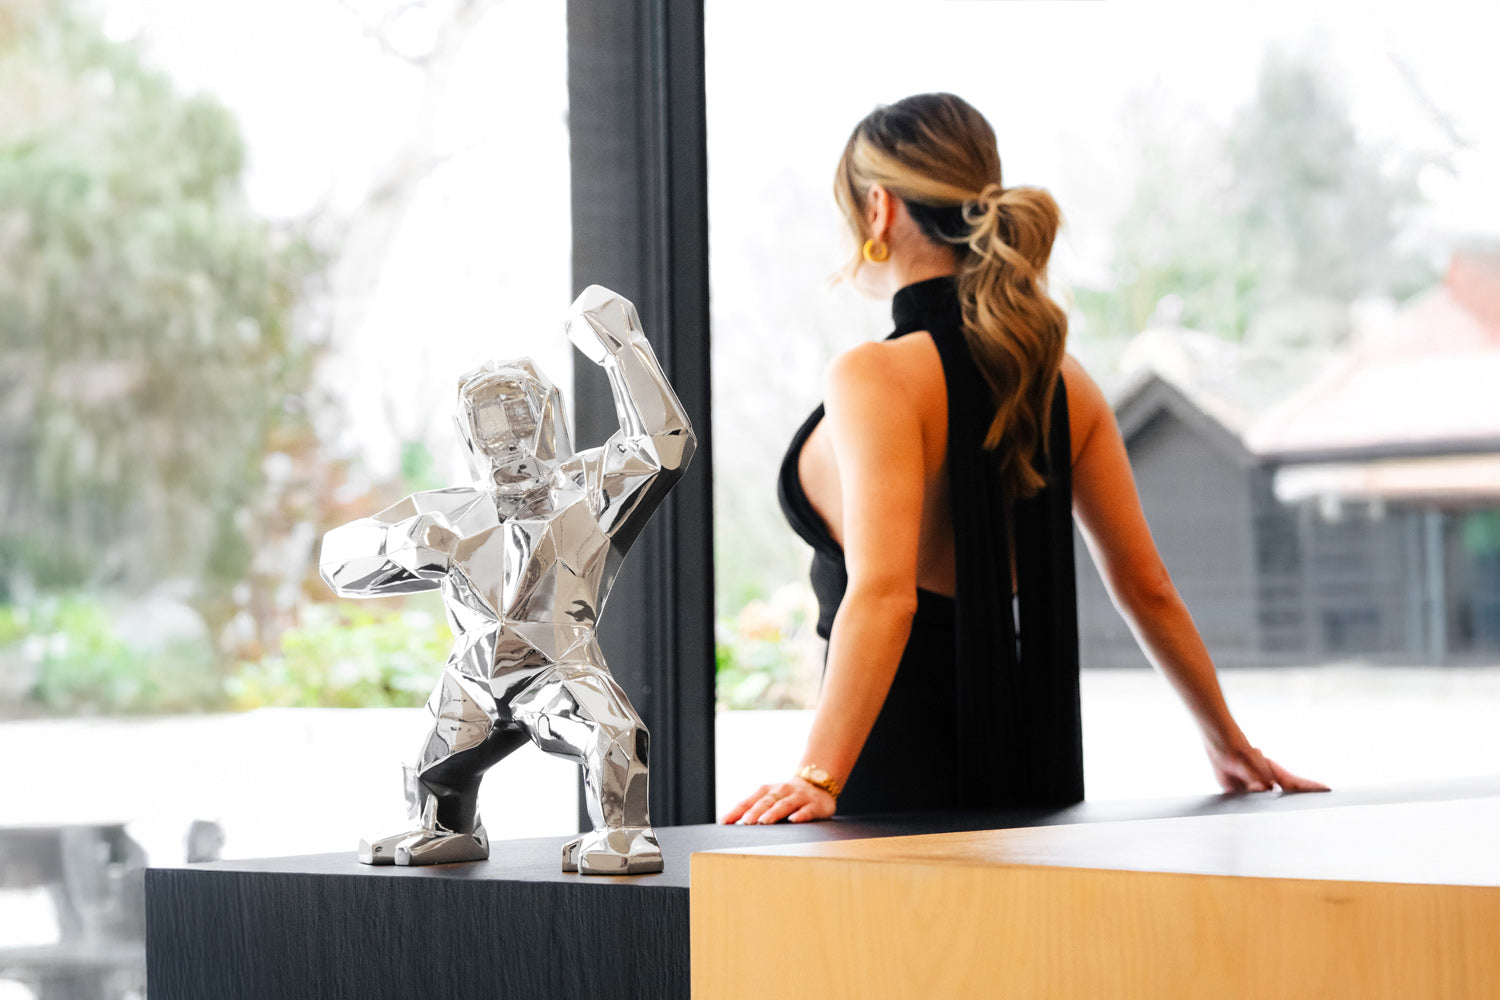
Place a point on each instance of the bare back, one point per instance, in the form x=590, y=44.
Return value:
x=913, y=367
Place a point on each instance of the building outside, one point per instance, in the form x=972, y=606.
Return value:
x=1358, y=519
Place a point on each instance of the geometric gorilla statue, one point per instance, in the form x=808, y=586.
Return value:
x=525, y=558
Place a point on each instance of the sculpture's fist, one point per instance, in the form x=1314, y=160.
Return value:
x=602, y=323
x=435, y=534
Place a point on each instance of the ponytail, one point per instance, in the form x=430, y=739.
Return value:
x=1013, y=328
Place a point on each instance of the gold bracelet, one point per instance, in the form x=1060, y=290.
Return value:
x=819, y=778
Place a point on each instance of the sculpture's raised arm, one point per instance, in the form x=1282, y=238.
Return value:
x=404, y=549
x=640, y=462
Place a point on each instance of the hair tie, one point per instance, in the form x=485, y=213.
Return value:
x=989, y=202
x=992, y=228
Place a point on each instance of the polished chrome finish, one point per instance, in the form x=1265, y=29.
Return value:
x=525, y=559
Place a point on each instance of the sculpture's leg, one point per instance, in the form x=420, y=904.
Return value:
x=579, y=712
x=442, y=790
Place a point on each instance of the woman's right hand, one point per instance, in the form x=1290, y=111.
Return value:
x=796, y=801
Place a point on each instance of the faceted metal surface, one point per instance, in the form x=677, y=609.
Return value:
x=525, y=558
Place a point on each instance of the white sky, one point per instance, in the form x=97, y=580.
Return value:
x=1052, y=78
x=316, y=97
x=481, y=268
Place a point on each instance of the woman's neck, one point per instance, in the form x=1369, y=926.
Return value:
x=922, y=270
x=914, y=261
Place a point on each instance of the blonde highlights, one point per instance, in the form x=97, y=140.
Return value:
x=937, y=154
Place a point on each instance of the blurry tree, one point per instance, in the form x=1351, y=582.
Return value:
x=1268, y=231
x=158, y=344
x=146, y=347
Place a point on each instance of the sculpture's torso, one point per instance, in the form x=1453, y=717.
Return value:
x=526, y=583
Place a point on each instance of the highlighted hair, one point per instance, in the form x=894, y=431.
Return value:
x=937, y=154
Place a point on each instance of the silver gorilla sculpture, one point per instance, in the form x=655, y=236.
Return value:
x=525, y=558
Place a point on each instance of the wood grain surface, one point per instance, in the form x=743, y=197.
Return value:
x=1398, y=901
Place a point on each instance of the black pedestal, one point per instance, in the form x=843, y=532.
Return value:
x=325, y=926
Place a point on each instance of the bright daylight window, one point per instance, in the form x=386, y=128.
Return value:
x=1281, y=258
x=249, y=247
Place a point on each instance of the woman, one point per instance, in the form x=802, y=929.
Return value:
x=935, y=486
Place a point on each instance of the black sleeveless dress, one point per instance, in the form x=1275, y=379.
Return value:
x=983, y=711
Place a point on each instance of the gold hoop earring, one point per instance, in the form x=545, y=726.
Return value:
x=877, y=251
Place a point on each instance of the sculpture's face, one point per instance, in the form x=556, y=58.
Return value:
x=512, y=422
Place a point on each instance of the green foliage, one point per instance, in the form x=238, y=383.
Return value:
x=348, y=656
x=145, y=313
x=1267, y=231
x=768, y=656
x=759, y=553
x=76, y=654
x=78, y=658
x=13, y=625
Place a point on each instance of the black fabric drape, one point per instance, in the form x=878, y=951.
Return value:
x=1017, y=710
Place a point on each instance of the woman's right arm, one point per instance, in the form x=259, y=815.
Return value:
x=875, y=427
x=1108, y=511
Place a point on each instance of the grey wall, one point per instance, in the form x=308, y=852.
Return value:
x=1198, y=502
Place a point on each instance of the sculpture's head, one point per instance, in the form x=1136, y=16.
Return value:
x=513, y=425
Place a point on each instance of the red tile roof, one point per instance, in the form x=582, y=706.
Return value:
x=1429, y=382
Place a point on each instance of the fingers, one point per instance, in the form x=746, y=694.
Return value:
x=1290, y=782
x=1235, y=774
x=793, y=800
x=762, y=806
x=1242, y=768
x=810, y=811
x=1261, y=778
x=744, y=805
x=1266, y=774
x=1249, y=770
x=788, y=802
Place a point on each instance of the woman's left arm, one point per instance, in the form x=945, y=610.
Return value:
x=1109, y=514
x=878, y=446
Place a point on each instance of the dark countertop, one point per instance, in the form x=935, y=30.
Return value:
x=539, y=859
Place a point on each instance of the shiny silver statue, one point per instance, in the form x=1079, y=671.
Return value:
x=525, y=559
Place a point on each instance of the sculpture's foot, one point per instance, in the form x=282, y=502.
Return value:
x=382, y=850
x=430, y=848
x=630, y=850
x=426, y=847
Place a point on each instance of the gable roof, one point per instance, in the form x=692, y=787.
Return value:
x=1149, y=393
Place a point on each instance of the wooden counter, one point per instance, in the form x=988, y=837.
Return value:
x=1395, y=901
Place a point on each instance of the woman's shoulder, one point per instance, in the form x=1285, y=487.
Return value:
x=908, y=364
x=1086, y=403
x=886, y=401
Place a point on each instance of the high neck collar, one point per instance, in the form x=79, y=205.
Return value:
x=914, y=306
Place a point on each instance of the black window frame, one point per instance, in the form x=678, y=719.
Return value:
x=639, y=172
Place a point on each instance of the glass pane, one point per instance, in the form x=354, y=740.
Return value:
x=250, y=246
x=1280, y=263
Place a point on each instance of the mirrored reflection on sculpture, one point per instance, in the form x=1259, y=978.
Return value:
x=525, y=558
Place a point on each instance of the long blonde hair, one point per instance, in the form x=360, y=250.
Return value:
x=937, y=154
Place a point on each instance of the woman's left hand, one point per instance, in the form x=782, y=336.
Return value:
x=794, y=800
x=1240, y=767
